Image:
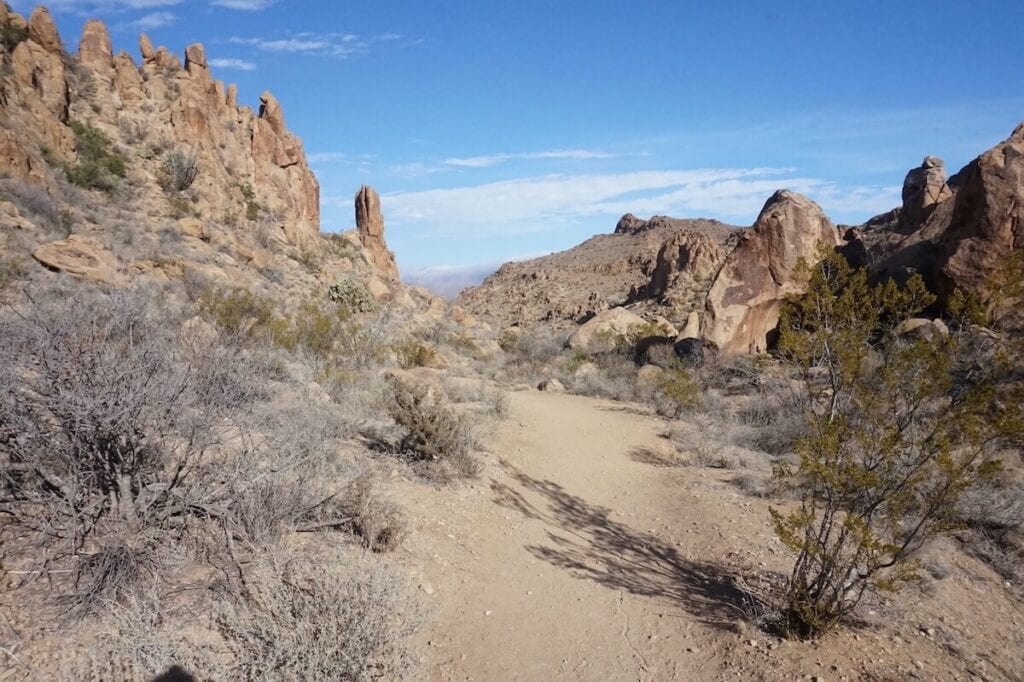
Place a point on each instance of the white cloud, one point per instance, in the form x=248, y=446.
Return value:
x=339, y=157
x=231, y=63
x=245, y=5
x=538, y=204
x=153, y=20
x=320, y=44
x=94, y=6
x=494, y=159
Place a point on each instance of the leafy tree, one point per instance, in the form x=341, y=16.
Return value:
x=897, y=430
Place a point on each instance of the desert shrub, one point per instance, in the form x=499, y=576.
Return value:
x=379, y=523
x=414, y=353
x=99, y=166
x=35, y=200
x=11, y=34
x=708, y=440
x=252, y=207
x=12, y=270
x=679, y=391
x=896, y=435
x=238, y=311
x=338, y=245
x=351, y=295
x=344, y=619
x=96, y=449
x=433, y=432
x=178, y=171
x=139, y=640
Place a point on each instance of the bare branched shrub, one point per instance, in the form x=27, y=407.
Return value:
x=433, y=432
x=94, y=444
x=345, y=619
x=178, y=171
x=379, y=523
x=139, y=639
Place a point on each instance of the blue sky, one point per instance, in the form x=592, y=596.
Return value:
x=500, y=130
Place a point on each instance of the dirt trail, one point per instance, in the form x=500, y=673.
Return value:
x=577, y=557
x=562, y=568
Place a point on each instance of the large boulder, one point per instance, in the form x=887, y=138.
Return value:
x=743, y=305
x=83, y=257
x=370, y=225
x=606, y=331
x=688, y=254
x=923, y=189
x=986, y=222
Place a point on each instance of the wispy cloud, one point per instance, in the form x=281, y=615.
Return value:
x=494, y=159
x=318, y=44
x=245, y=5
x=543, y=203
x=98, y=6
x=339, y=157
x=232, y=63
x=152, y=21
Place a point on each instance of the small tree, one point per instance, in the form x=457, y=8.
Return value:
x=897, y=430
x=178, y=171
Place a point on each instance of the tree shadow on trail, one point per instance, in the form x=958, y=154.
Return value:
x=584, y=541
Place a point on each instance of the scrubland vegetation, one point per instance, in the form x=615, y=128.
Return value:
x=190, y=474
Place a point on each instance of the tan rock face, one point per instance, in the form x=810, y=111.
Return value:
x=43, y=31
x=95, y=50
x=693, y=255
x=146, y=49
x=986, y=222
x=370, y=226
x=605, y=330
x=83, y=257
x=923, y=188
x=742, y=308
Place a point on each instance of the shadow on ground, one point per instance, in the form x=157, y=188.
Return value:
x=583, y=540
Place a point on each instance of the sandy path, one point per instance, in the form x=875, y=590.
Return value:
x=560, y=566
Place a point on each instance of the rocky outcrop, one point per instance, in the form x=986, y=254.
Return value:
x=94, y=49
x=660, y=266
x=82, y=257
x=370, y=227
x=743, y=304
x=985, y=221
x=690, y=255
x=251, y=166
x=923, y=189
x=43, y=32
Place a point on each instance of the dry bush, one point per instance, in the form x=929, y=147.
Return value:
x=432, y=431
x=416, y=354
x=140, y=639
x=96, y=444
x=39, y=205
x=708, y=440
x=379, y=523
x=349, y=618
x=178, y=171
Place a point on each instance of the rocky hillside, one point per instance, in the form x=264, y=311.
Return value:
x=958, y=234
x=662, y=263
x=115, y=169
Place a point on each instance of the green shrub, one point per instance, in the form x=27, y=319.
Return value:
x=898, y=432
x=416, y=354
x=12, y=34
x=351, y=296
x=237, y=310
x=98, y=167
x=680, y=389
x=433, y=432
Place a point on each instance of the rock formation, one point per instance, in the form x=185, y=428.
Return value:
x=985, y=221
x=923, y=189
x=743, y=305
x=83, y=257
x=605, y=331
x=250, y=165
x=370, y=226
x=661, y=266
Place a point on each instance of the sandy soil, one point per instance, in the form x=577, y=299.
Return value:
x=576, y=557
